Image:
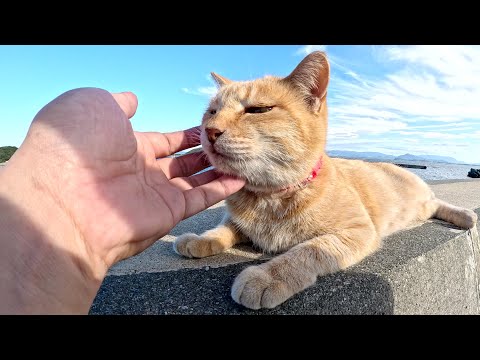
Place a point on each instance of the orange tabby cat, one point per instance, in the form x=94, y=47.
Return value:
x=323, y=214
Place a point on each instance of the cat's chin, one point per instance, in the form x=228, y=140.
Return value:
x=229, y=165
x=226, y=166
x=222, y=162
x=219, y=161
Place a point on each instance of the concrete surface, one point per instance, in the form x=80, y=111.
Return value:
x=161, y=257
x=430, y=269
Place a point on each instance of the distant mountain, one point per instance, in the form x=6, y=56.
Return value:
x=6, y=152
x=434, y=158
x=383, y=157
x=360, y=155
x=447, y=159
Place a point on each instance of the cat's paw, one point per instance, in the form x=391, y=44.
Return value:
x=471, y=218
x=255, y=288
x=194, y=246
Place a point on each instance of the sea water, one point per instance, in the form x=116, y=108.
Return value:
x=440, y=171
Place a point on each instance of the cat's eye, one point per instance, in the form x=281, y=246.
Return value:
x=258, y=109
x=213, y=112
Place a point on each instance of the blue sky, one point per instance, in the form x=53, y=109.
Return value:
x=392, y=99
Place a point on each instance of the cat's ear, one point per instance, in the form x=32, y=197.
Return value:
x=220, y=80
x=311, y=77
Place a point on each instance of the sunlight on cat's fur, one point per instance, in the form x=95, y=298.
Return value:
x=321, y=214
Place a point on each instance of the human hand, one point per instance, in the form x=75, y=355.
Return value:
x=111, y=191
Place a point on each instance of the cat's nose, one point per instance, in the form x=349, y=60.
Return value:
x=213, y=134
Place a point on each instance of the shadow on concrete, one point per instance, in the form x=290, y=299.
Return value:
x=207, y=292
x=161, y=256
x=446, y=224
x=206, y=220
x=362, y=289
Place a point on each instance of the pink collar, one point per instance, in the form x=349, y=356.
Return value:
x=304, y=182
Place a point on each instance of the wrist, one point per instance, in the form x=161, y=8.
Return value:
x=44, y=266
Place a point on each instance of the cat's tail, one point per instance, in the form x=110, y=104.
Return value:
x=463, y=218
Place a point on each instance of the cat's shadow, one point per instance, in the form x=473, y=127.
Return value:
x=207, y=220
x=201, y=222
x=341, y=293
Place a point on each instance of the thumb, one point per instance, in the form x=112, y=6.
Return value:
x=127, y=101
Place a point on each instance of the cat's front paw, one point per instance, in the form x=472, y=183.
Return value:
x=471, y=218
x=255, y=288
x=194, y=246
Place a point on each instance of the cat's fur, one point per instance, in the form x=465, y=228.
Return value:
x=332, y=222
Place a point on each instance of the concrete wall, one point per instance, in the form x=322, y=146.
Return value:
x=431, y=269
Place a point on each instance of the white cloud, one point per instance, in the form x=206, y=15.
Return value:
x=434, y=135
x=367, y=125
x=428, y=93
x=437, y=82
x=208, y=90
x=307, y=49
x=455, y=126
x=202, y=90
x=188, y=91
x=437, y=90
x=353, y=75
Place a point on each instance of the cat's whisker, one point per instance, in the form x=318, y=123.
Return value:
x=248, y=148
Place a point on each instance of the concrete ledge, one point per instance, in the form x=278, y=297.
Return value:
x=431, y=269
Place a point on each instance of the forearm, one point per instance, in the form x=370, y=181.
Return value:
x=41, y=270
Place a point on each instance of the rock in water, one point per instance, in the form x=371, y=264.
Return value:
x=474, y=173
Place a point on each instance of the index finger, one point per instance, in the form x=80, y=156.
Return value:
x=204, y=196
x=127, y=101
x=165, y=144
